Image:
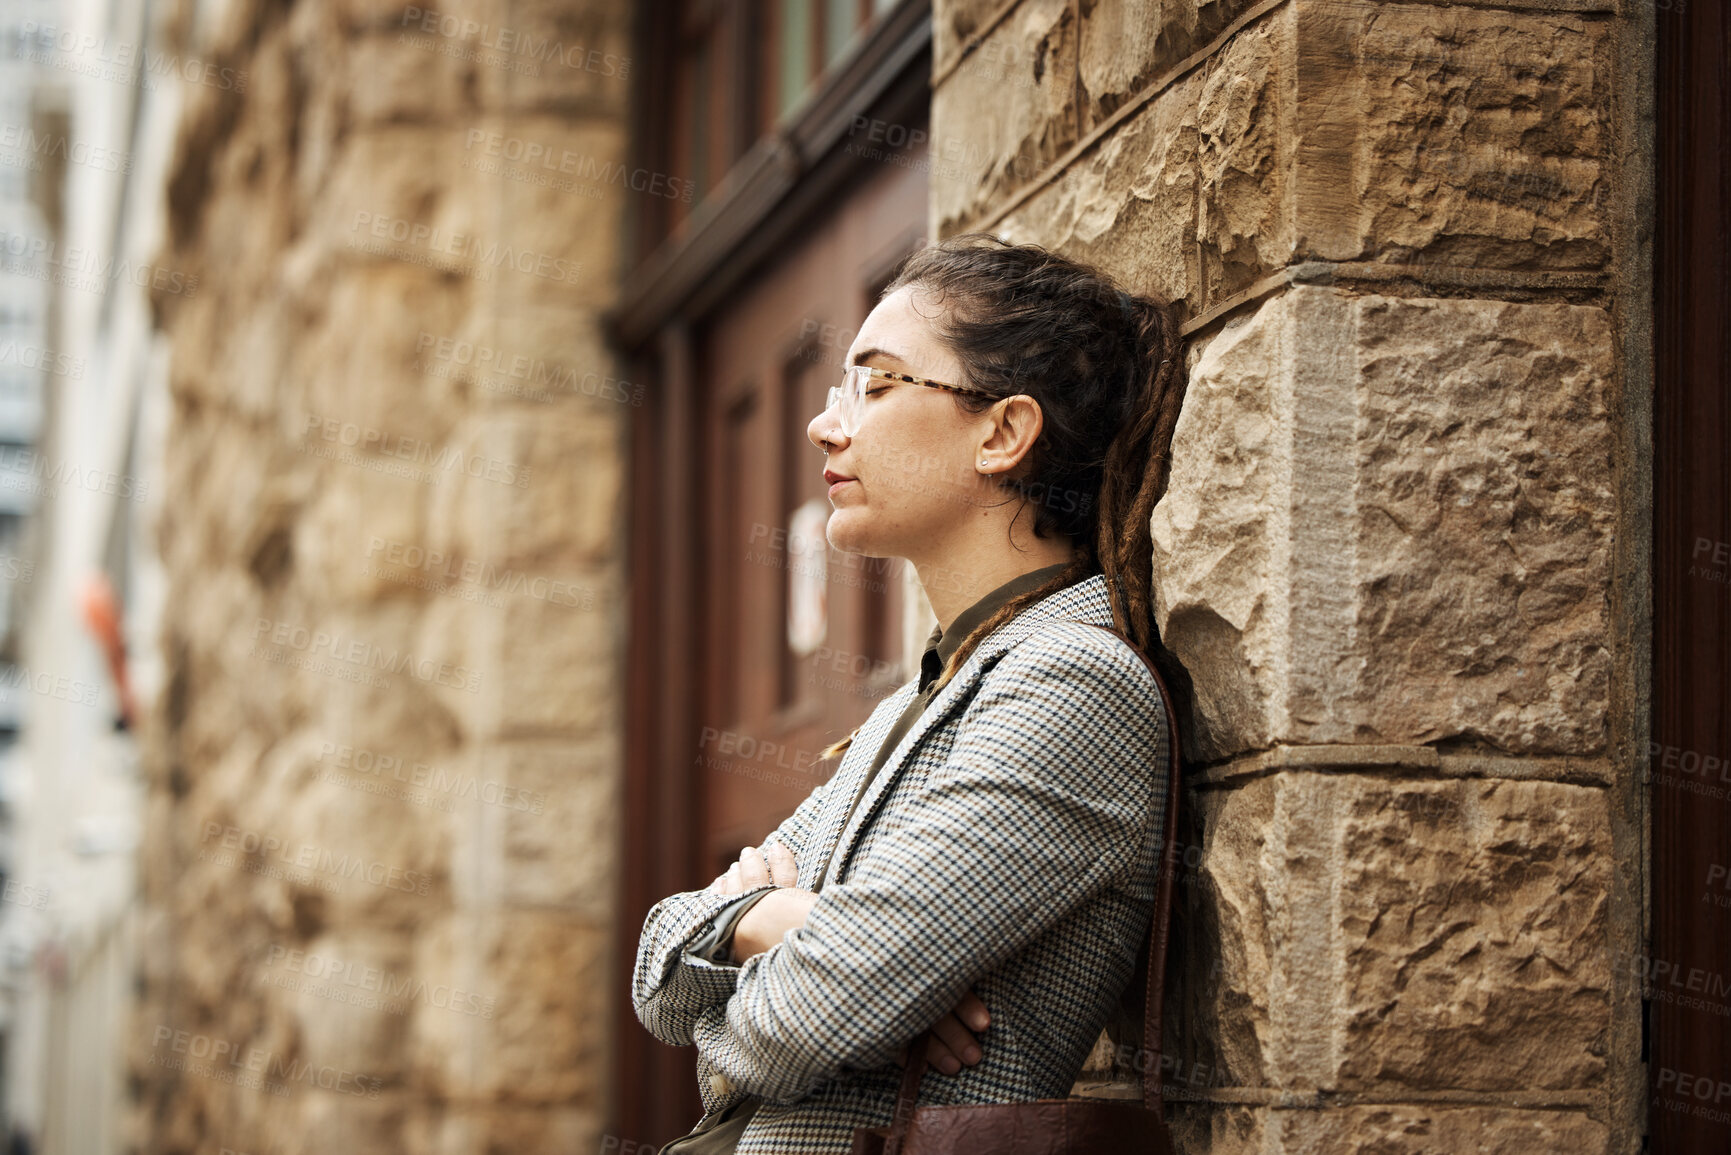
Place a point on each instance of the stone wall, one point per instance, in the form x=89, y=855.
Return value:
x=383, y=785
x=1401, y=554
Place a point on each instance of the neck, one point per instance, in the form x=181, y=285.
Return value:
x=952, y=588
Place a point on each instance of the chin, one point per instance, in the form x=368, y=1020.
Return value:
x=846, y=535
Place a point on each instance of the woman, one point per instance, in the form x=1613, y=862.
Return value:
x=982, y=862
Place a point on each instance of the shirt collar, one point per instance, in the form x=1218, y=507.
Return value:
x=941, y=644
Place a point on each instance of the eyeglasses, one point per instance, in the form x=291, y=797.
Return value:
x=851, y=393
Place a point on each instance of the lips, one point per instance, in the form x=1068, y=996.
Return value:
x=833, y=478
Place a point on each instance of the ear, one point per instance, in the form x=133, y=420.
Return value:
x=1015, y=424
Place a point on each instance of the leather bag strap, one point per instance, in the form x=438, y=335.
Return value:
x=909, y=1096
x=1159, y=932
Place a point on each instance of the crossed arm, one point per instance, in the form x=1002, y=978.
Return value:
x=670, y=987
x=777, y=911
x=1044, y=800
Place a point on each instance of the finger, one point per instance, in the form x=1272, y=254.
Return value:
x=938, y=1053
x=954, y=1045
x=973, y=1012
x=783, y=868
x=730, y=883
x=753, y=870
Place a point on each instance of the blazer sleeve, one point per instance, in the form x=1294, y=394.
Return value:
x=715, y=944
x=1047, y=797
x=669, y=985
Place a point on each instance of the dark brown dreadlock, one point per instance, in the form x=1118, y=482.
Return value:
x=1107, y=370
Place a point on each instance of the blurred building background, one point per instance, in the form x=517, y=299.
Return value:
x=84, y=410
x=411, y=558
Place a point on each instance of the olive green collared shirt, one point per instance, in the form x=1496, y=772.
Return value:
x=720, y=1136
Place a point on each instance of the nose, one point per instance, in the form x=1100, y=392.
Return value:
x=825, y=431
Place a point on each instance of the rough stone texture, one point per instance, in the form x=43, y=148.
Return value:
x=1389, y=522
x=458, y=839
x=1404, y=1129
x=1422, y=135
x=1129, y=204
x=1379, y=935
x=955, y=23
x=1483, y=140
x=1244, y=221
x=1129, y=44
x=1007, y=112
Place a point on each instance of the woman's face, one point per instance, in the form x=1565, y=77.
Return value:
x=913, y=462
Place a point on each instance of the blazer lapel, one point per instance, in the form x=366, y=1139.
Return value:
x=1085, y=601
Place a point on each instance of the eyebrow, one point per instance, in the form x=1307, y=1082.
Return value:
x=863, y=355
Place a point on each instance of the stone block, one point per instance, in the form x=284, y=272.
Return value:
x=1395, y=1129
x=1474, y=136
x=394, y=75
x=549, y=497
x=1244, y=164
x=367, y=375
x=1128, y=205
x=1445, y=1130
x=1190, y=196
x=1317, y=136
x=518, y=234
x=448, y=60
x=954, y=23
x=465, y=1130
x=564, y=241
x=557, y=673
x=558, y=56
x=1370, y=934
x=1130, y=44
x=549, y=1034
x=530, y=358
x=1218, y=1128
x=1390, y=521
x=276, y=816
x=346, y=541
x=332, y=1122
x=350, y=997
x=401, y=196
x=1006, y=113
x=541, y=829
x=560, y=838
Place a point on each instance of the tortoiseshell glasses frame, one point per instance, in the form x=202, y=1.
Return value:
x=851, y=393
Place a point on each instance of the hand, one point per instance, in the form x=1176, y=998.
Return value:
x=774, y=915
x=952, y=1044
x=754, y=869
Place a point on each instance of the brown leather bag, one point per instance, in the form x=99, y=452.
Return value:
x=1054, y=1126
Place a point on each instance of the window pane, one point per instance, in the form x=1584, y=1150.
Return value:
x=839, y=17
x=795, y=43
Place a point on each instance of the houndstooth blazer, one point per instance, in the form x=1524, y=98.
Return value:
x=1008, y=845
